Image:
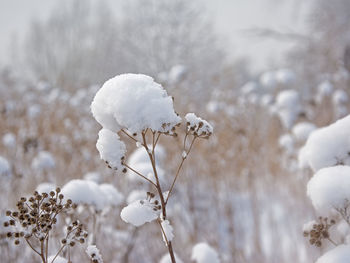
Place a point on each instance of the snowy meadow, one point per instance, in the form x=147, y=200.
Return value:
x=132, y=136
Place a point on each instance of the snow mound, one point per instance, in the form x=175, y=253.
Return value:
x=340, y=254
x=329, y=188
x=111, y=148
x=329, y=146
x=302, y=130
x=134, y=102
x=43, y=161
x=89, y=193
x=9, y=140
x=203, y=253
x=139, y=212
x=197, y=125
x=5, y=167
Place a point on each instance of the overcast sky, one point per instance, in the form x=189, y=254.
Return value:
x=231, y=18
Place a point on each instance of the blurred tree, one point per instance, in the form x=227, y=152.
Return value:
x=76, y=46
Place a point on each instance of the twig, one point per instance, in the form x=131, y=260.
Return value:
x=138, y=173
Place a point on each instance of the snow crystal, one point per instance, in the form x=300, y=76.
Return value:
x=203, y=253
x=43, y=161
x=94, y=253
x=329, y=146
x=198, y=125
x=111, y=148
x=302, y=130
x=9, y=140
x=167, y=259
x=58, y=259
x=339, y=254
x=139, y=212
x=5, y=167
x=329, y=188
x=168, y=230
x=134, y=102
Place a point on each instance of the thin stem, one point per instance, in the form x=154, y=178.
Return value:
x=47, y=246
x=59, y=251
x=330, y=240
x=31, y=246
x=127, y=134
x=161, y=196
x=178, y=170
x=144, y=177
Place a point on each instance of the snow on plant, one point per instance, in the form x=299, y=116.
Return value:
x=166, y=259
x=111, y=148
x=340, y=254
x=35, y=219
x=203, y=253
x=328, y=146
x=329, y=188
x=288, y=107
x=94, y=254
x=327, y=153
x=135, y=106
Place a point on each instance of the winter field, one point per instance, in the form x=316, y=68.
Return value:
x=135, y=137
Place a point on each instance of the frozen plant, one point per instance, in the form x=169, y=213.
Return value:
x=327, y=153
x=34, y=220
x=138, y=108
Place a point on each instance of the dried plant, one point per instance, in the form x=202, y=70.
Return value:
x=34, y=221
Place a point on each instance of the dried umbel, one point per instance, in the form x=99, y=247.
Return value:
x=35, y=218
x=320, y=231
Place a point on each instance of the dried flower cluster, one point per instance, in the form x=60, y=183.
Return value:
x=35, y=218
x=320, y=231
